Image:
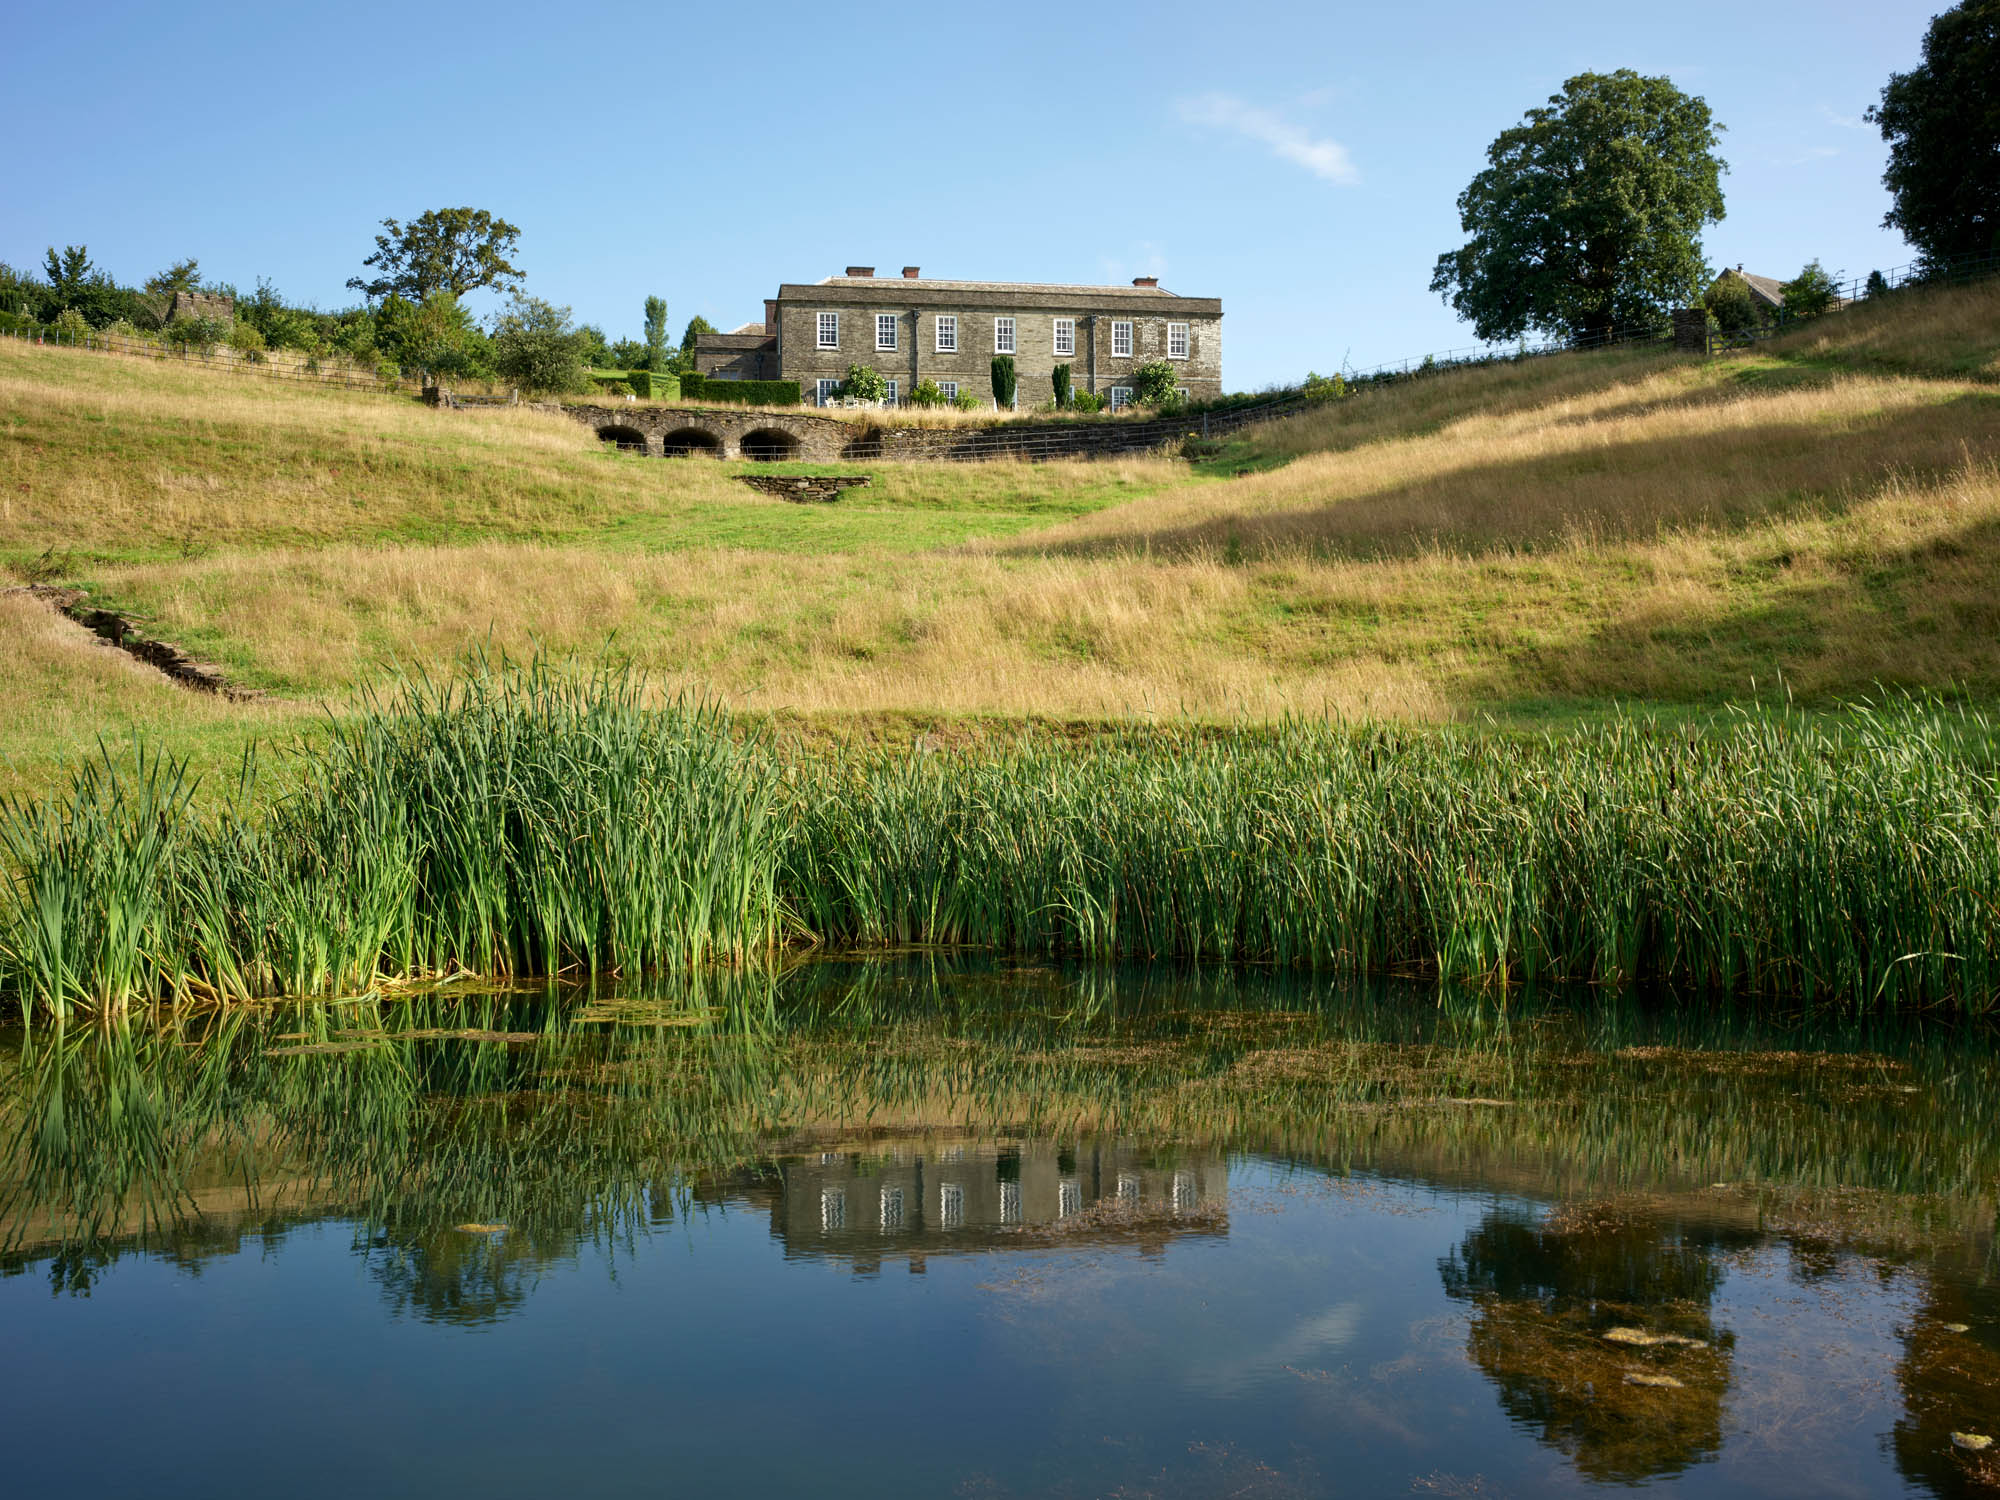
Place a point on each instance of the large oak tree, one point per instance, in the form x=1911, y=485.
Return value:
x=455, y=250
x=1942, y=122
x=1588, y=217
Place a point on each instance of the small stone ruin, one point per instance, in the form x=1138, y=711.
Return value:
x=804, y=489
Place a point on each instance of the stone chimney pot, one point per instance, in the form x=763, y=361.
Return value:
x=1145, y=281
x=910, y=273
x=860, y=270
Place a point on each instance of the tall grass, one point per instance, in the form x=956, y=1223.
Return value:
x=527, y=821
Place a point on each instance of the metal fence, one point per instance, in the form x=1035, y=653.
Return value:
x=216, y=357
x=1857, y=289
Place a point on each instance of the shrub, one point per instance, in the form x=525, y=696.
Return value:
x=193, y=335
x=966, y=401
x=1153, y=384
x=247, y=341
x=864, y=383
x=1086, y=401
x=693, y=384
x=1059, y=384
x=1003, y=380
x=927, y=393
x=1877, y=284
x=536, y=346
x=748, y=392
x=1810, y=293
x=1323, y=388
x=1730, y=304
x=70, y=326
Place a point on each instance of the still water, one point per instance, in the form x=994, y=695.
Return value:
x=943, y=1227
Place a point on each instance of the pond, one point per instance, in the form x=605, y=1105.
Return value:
x=940, y=1225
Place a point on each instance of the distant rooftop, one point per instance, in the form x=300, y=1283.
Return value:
x=1144, y=286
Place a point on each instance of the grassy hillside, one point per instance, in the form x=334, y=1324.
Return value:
x=1523, y=541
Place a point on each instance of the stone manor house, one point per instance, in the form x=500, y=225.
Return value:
x=913, y=328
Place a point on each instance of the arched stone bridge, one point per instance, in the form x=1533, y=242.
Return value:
x=694, y=431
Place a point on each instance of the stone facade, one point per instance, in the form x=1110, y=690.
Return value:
x=1185, y=332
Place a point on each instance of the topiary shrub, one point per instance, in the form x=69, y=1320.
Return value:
x=864, y=383
x=692, y=384
x=1059, y=384
x=1153, y=385
x=1003, y=380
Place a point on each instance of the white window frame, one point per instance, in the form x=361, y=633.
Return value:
x=1180, y=390
x=889, y=399
x=1012, y=345
x=891, y=1216
x=823, y=392
x=950, y=389
x=1063, y=336
x=885, y=323
x=828, y=328
x=947, y=333
x=951, y=1205
x=1121, y=397
x=832, y=1209
x=1178, y=331
x=1121, y=333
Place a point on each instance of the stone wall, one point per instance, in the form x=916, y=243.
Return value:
x=202, y=305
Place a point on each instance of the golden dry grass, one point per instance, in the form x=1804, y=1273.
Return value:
x=1530, y=538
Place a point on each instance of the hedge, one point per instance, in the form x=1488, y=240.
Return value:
x=743, y=392
x=649, y=387
x=692, y=382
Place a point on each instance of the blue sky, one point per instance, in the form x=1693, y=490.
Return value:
x=1299, y=161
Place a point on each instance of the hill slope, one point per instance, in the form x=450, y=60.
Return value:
x=1538, y=538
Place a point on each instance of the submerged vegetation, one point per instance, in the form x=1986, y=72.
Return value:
x=524, y=821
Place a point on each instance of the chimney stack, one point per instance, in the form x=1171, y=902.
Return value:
x=860, y=270
x=770, y=315
x=910, y=273
x=1145, y=281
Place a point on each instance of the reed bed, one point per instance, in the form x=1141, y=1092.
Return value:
x=525, y=821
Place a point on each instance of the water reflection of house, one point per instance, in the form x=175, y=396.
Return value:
x=949, y=1197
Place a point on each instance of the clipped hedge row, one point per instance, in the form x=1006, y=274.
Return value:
x=648, y=386
x=698, y=387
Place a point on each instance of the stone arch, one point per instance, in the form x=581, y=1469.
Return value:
x=628, y=439
x=769, y=445
x=686, y=442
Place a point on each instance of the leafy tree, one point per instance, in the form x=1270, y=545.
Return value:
x=536, y=346
x=1059, y=385
x=591, y=348
x=864, y=383
x=70, y=272
x=181, y=276
x=196, y=334
x=1154, y=384
x=1589, y=214
x=1877, y=284
x=455, y=250
x=437, y=334
x=1942, y=122
x=630, y=354
x=282, y=327
x=70, y=325
x=1810, y=293
x=697, y=326
x=1004, y=380
x=656, y=333
x=1730, y=303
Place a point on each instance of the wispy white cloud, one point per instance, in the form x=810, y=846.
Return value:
x=1805, y=157
x=1324, y=158
x=1845, y=122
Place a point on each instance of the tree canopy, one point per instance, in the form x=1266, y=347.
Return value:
x=181, y=276
x=1589, y=214
x=70, y=272
x=455, y=250
x=656, y=333
x=1942, y=122
x=537, y=346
